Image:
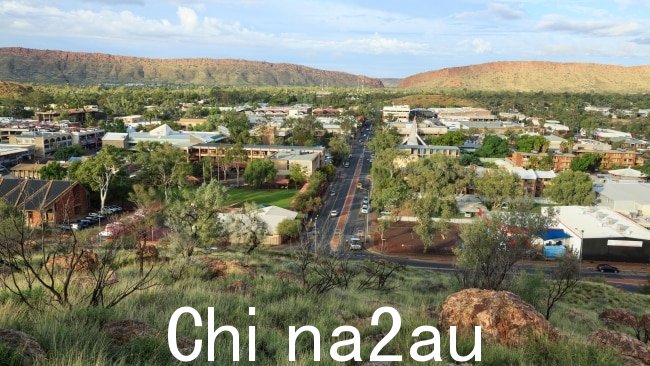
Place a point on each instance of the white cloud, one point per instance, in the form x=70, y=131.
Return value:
x=187, y=17
x=505, y=11
x=477, y=45
x=603, y=28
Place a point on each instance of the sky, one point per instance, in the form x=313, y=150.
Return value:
x=377, y=38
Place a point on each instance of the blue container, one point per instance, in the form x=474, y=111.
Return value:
x=554, y=251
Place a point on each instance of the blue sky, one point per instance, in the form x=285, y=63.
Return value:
x=371, y=37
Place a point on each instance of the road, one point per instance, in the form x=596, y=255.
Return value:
x=331, y=231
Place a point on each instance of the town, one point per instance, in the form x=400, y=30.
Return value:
x=356, y=189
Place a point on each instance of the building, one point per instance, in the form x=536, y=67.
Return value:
x=15, y=154
x=272, y=216
x=603, y=134
x=163, y=134
x=629, y=198
x=5, y=132
x=310, y=162
x=27, y=171
x=190, y=123
x=533, y=181
x=88, y=138
x=396, y=113
x=217, y=150
x=628, y=174
x=45, y=143
x=45, y=201
x=630, y=143
x=601, y=234
x=554, y=142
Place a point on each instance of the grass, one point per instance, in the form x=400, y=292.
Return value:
x=74, y=337
x=276, y=197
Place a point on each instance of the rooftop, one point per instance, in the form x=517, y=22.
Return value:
x=597, y=222
x=631, y=191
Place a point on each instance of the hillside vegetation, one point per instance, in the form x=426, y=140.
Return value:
x=231, y=281
x=9, y=88
x=45, y=66
x=536, y=76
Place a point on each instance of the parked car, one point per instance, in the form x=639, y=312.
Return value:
x=79, y=225
x=332, y=192
x=355, y=244
x=65, y=227
x=334, y=213
x=365, y=200
x=606, y=268
x=364, y=209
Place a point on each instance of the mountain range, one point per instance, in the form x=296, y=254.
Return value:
x=535, y=76
x=45, y=66
x=52, y=67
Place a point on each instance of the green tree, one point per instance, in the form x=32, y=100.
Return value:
x=531, y=143
x=162, y=165
x=304, y=131
x=386, y=138
x=497, y=186
x=493, y=147
x=194, y=217
x=425, y=209
x=247, y=228
x=587, y=162
x=340, y=149
x=491, y=248
x=571, y=188
x=297, y=174
x=237, y=156
x=259, y=172
x=98, y=172
x=451, y=138
x=53, y=170
x=66, y=152
x=289, y=229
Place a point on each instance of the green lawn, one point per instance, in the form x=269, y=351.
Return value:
x=276, y=197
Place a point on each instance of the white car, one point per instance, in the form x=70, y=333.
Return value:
x=334, y=213
x=364, y=209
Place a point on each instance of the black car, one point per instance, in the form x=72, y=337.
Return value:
x=606, y=268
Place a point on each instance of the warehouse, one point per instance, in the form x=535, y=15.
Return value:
x=603, y=234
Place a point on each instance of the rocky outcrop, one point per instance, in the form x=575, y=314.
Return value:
x=124, y=331
x=24, y=347
x=45, y=66
x=618, y=317
x=634, y=352
x=535, y=76
x=502, y=316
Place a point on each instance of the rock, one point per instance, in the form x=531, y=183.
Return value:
x=22, y=345
x=150, y=252
x=619, y=317
x=83, y=261
x=502, y=316
x=124, y=331
x=633, y=351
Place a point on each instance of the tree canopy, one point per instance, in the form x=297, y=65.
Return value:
x=493, y=147
x=571, y=188
x=587, y=162
x=53, y=170
x=497, y=186
x=259, y=172
x=531, y=143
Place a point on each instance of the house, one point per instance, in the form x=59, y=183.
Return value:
x=533, y=182
x=601, y=234
x=45, y=201
x=272, y=216
x=27, y=171
x=602, y=134
x=628, y=198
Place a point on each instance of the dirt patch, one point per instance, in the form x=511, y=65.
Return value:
x=219, y=268
x=23, y=345
x=401, y=238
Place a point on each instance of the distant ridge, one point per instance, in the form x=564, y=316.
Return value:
x=58, y=67
x=536, y=76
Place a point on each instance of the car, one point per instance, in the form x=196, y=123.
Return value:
x=346, y=164
x=332, y=192
x=365, y=200
x=81, y=224
x=606, y=268
x=334, y=213
x=65, y=227
x=355, y=244
x=360, y=185
x=364, y=209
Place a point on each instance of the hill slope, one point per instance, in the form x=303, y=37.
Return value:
x=41, y=66
x=536, y=76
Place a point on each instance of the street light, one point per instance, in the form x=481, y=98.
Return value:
x=582, y=240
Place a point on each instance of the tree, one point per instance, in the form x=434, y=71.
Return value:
x=571, y=188
x=564, y=278
x=587, y=162
x=348, y=125
x=493, y=147
x=497, y=186
x=297, y=174
x=491, y=248
x=304, y=131
x=53, y=170
x=340, y=149
x=532, y=143
x=259, y=172
x=425, y=209
x=237, y=155
x=66, y=152
x=247, y=227
x=384, y=139
x=194, y=217
x=98, y=172
x=451, y=138
x=289, y=229
x=162, y=165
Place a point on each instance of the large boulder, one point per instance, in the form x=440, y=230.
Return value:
x=618, y=317
x=22, y=346
x=502, y=316
x=634, y=352
x=124, y=331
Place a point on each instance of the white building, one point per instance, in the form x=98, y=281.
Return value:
x=398, y=112
x=606, y=133
x=632, y=198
